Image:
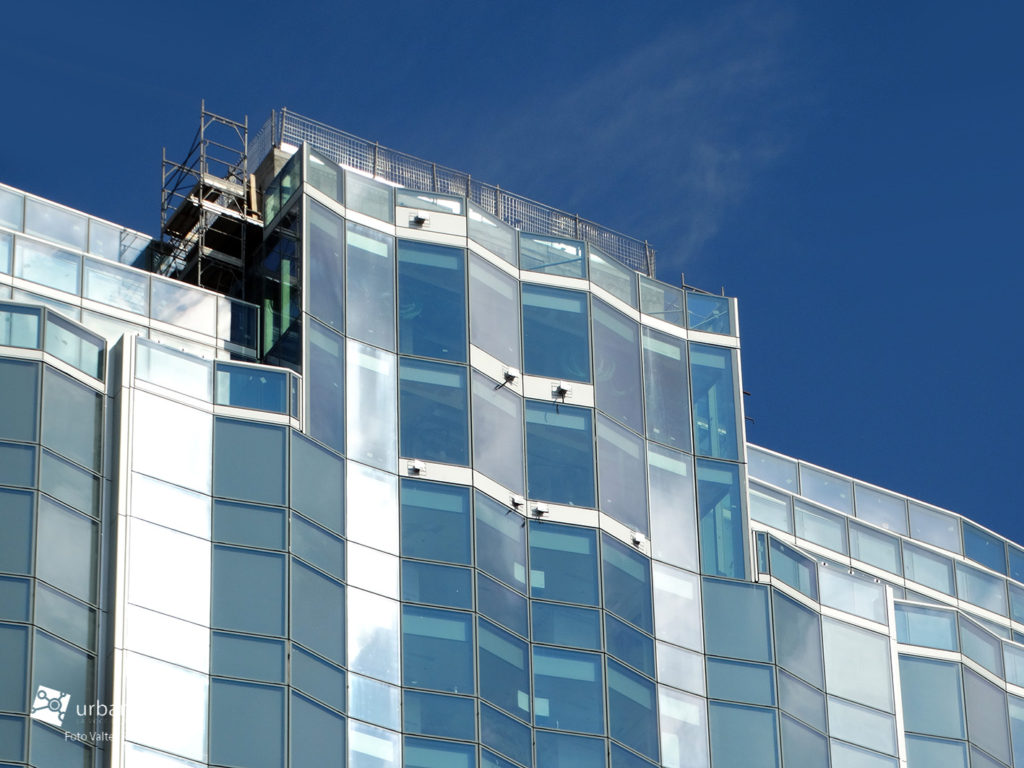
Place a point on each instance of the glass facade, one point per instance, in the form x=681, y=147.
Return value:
x=445, y=494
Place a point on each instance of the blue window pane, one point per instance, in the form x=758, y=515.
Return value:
x=803, y=747
x=321, y=680
x=249, y=524
x=434, y=412
x=665, y=377
x=562, y=750
x=51, y=748
x=661, y=300
x=325, y=175
x=629, y=645
x=1016, y=707
x=932, y=703
x=1016, y=563
x=987, y=723
x=758, y=747
x=66, y=551
x=741, y=681
x=566, y=625
x=875, y=548
x=556, y=333
x=802, y=701
x=325, y=257
x=623, y=472
x=370, y=197
x=437, y=584
x=502, y=604
x=371, y=286
x=736, y=620
x=244, y=386
x=798, y=639
x=252, y=658
x=318, y=612
x=623, y=758
x=425, y=753
x=317, y=735
x=627, y=583
x=713, y=382
x=505, y=735
x=437, y=649
x=12, y=738
x=793, y=568
x=617, y=379
x=552, y=255
x=504, y=670
x=490, y=760
x=563, y=563
x=14, y=670
x=435, y=522
x=19, y=405
x=981, y=589
x=246, y=724
x=935, y=527
x=318, y=547
x=928, y=568
x=984, y=547
x=325, y=383
x=16, y=513
x=250, y=461
x=926, y=752
x=708, y=313
x=568, y=690
x=500, y=541
x=927, y=627
x=632, y=710
x=15, y=598
x=19, y=327
x=431, y=301
x=248, y=591
x=434, y=714
x=560, y=453
x=720, y=510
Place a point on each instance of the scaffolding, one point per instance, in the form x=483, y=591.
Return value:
x=208, y=207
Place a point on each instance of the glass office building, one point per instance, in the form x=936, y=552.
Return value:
x=441, y=482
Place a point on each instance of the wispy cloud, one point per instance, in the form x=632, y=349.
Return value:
x=683, y=126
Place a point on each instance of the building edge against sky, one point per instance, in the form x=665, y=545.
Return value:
x=425, y=476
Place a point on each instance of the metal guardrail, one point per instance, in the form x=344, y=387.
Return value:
x=412, y=172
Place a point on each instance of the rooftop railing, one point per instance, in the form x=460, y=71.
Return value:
x=412, y=172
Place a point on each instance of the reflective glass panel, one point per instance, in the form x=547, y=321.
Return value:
x=437, y=584
x=433, y=402
x=497, y=433
x=927, y=627
x=801, y=746
x=556, y=333
x=372, y=508
x=436, y=522
x=318, y=483
x=506, y=735
x=623, y=474
x=741, y=681
x=500, y=541
x=627, y=583
x=759, y=746
x=248, y=590
x=984, y=547
x=370, y=286
x=875, y=548
x=632, y=710
x=246, y=724
x=315, y=545
x=325, y=175
x=560, y=453
x=172, y=442
x=619, y=280
x=72, y=419
x=857, y=664
x=370, y=197
x=15, y=598
x=821, y=527
x=14, y=670
x=325, y=381
x=629, y=645
x=318, y=612
x=65, y=617
x=568, y=690
x=116, y=286
x=373, y=635
x=12, y=206
x=494, y=311
x=708, y=313
x=720, y=509
x=74, y=345
x=802, y=701
x=928, y=568
x=325, y=249
x=861, y=725
x=672, y=507
x=681, y=669
x=435, y=714
x=69, y=483
x=661, y=301
x=798, y=639
x=935, y=527
x=18, y=465
x=252, y=658
x=504, y=669
x=677, y=606
x=179, y=304
x=552, y=255
x=249, y=525
x=317, y=735
x=494, y=235
x=437, y=649
x=19, y=326
x=712, y=373
x=665, y=377
x=852, y=594
x=62, y=667
x=562, y=750
x=737, y=620
x=777, y=470
x=426, y=753
x=981, y=589
x=987, y=723
x=372, y=406
x=47, y=265
x=177, y=371
x=793, y=568
x=250, y=461
x=617, y=378
x=375, y=702
x=323, y=681
x=882, y=509
x=19, y=405
x=244, y=386
x=826, y=488
x=504, y=605
x=431, y=301
x=563, y=563
x=55, y=223
x=66, y=550
x=566, y=625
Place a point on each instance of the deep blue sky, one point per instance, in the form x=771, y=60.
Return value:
x=850, y=170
